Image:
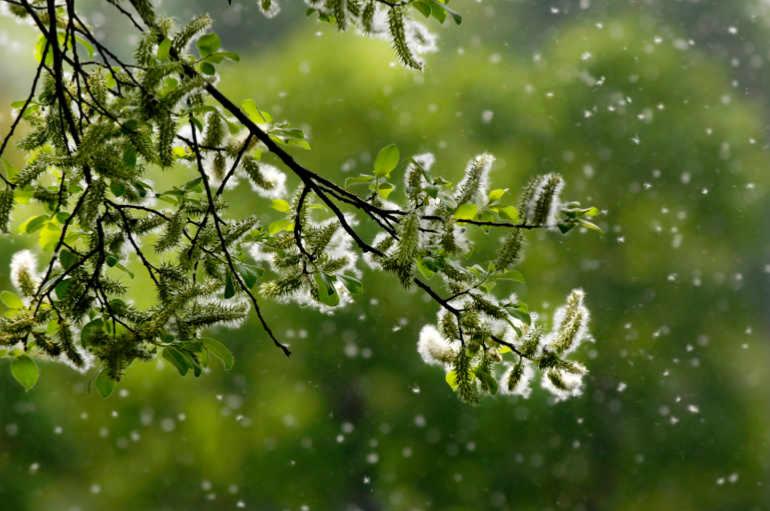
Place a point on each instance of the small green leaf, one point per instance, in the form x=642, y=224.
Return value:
x=511, y=212
x=352, y=284
x=281, y=205
x=104, y=384
x=514, y=275
x=219, y=350
x=92, y=332
x=207, y=68
x=327, y=294
x=164, y=48
x=466, y=211
x=208, y=44
x=590, y=225
x=451, y=379
x=497, y=194
x=34, y=224
x=249, y=107
x=229, y=286
x=384, y=190
x=25, y=371
x=67, y=259
x=287, y=224
x=11, y=300
x=249, y=277
x=387, y=160
x=359, y=180
x=177, y=359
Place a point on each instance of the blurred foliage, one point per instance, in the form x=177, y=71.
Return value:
x=675, y=413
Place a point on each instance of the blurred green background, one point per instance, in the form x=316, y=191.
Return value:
x=654, y=110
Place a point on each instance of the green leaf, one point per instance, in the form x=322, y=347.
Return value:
x=424, y=269
x=249, y=277
x=208, y=44
x=327, y=294
x=455, y=15
x=590, y=225
x=281, y=205
x=229, y=286
x=92, y=331
x=387, y=160
x=11, y=300
x=514, y=275
x=249, y=107
x=219, y=350
x=451, y=379
x=511, y=212
x=104, y=384
x=177, y=359
x=497, y=194
x=466, y=211
x=384, y=190
x=287, y=224
x=352, y=284
x=359, y=180
x=34, y=224
x=67, y=259
x=164, y=48
x=25, y=371
x=207, y=68
x=63, y=288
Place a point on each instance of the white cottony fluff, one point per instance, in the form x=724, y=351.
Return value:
x=580, y=317
x=523, y=387
x=275, y=176
x=269, y=9
x=434, y=348
x=476, y=176
x=24, y=262
x=573, y=382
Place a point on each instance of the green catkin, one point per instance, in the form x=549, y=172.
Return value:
x=340, y=16
x=94, y=198
x=32, y=171
x=467, y=389
x=145, y=10
x=67, y=343
x=251, y=166
x=514, y=377
x=526, y=198
x=367, y=18
x=398, y=34
x=173, y=232
x=26, y=282
x=354, y=7
x=545, y=199
x=469, y=186
x=215, y=131
x=219, y=166
x=193, y=28
x=510, y=252
x=402, y=262
x=557, y=379
x=572, y=323
x=6, y=205
x=166, y=134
